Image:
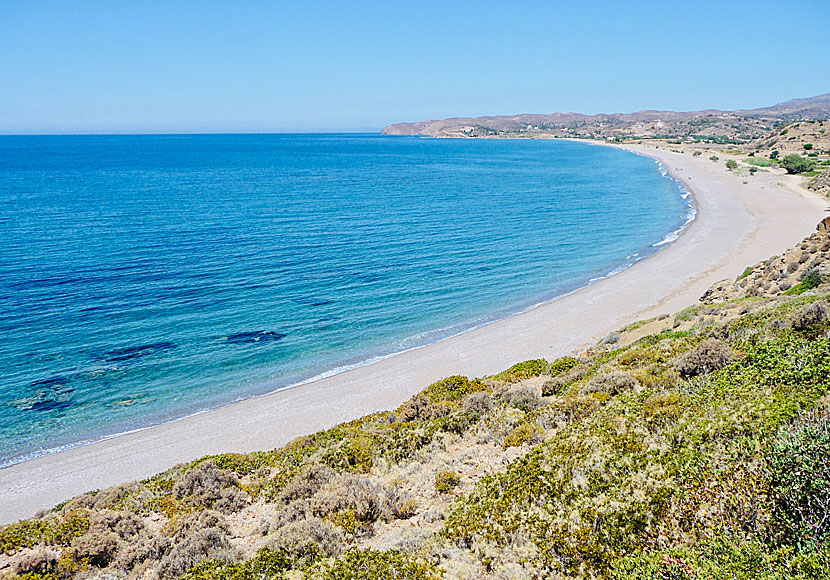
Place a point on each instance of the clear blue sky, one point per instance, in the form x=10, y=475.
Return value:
x=144, y=66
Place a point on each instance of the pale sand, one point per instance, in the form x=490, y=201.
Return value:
x=737, y=225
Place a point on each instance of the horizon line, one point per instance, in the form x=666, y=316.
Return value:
x=185, y=133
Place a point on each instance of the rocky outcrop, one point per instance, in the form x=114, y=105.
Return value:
x=778, y=273
x=821, y=184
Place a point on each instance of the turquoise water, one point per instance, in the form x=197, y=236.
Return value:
x=144, y=278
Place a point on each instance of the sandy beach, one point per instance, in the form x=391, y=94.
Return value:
x=740, y=221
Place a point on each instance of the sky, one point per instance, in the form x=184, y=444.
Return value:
x=114, y=66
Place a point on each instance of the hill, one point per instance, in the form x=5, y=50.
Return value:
x=712, y=125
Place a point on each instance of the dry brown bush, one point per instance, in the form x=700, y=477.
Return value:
x=38, y=560
x=308, y=536
x=611, y=383
x=422, y=408
x=810, y=315
x=523, y=396
x=297, y=510
x=555, y=385
x=98, y=546
x=141, y=549
x=351, y=492
x=192, y=522
x=110, y=497
x=205, y=484
x=231, y=499
x=710, y=355
x=124, y=524
x=308, y=482
x=192, y=548
x=85, y=501
x=402, y=504
x=478, y=403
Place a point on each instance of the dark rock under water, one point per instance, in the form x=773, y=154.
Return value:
x=131, y=352
x=312, y=301
x=52, y=394
x=255, y=336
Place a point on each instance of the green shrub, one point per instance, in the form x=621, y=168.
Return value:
x=808, y=146
x=374, y=565
x=724, y=558
x=446, y=481
x=811, y=279
x=731, y=164
x=796, y=164
x=524, y=433
x=524, y=370
x=267, y=564
x=745, y=273
x=453, y=388
x=714, y=158
x=355, y=454
x=774, y=154
x=27, y=533
x=799, y=473
x=562, y=364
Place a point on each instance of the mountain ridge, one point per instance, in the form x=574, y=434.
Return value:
x=738, y=125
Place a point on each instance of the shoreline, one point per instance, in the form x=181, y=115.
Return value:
x=483, y=321
x=736, y=225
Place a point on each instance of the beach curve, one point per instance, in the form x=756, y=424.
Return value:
x=737, y=224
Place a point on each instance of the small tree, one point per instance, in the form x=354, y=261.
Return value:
x=714, y=158
x=796, y=164
x=808, y=146
x=774, y=154
x=731, y=165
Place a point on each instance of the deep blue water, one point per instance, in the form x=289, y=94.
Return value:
x=144, y=278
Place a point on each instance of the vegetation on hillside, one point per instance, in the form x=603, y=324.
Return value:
x=796, y=164
x=694, y=446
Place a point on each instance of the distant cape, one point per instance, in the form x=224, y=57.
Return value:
x=742, y=123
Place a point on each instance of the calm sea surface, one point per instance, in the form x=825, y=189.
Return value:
x=143, y=278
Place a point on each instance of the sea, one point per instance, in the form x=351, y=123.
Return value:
x=144, y=278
